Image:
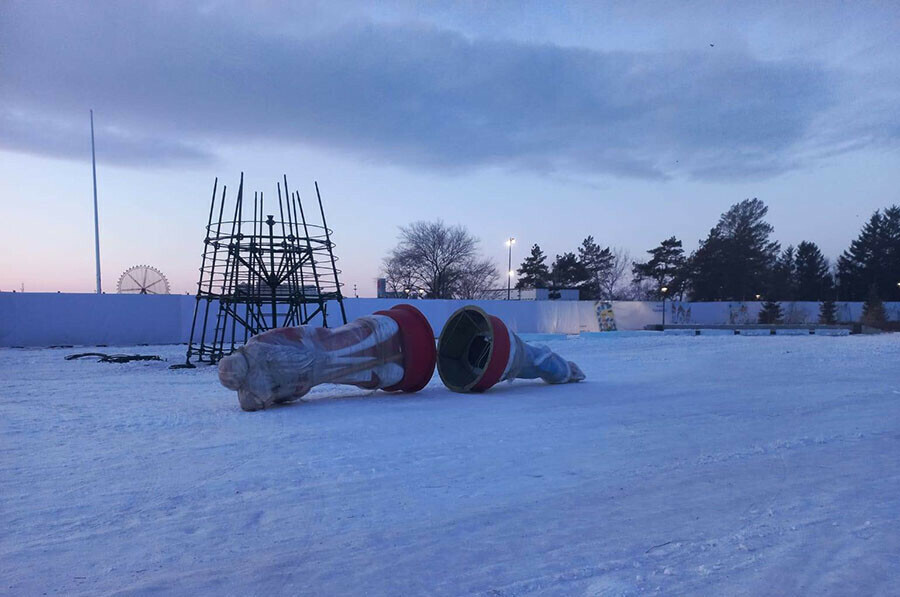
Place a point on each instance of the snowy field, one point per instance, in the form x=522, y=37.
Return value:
x=715, y=465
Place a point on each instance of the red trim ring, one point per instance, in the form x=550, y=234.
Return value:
x=419, y=352
x=499, y=355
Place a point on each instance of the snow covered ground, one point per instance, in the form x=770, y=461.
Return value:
x=710, y=465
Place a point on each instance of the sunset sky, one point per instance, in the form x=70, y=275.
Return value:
x=543, y=121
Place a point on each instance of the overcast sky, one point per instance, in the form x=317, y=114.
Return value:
x=545, y=121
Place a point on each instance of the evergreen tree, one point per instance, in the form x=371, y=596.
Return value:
x=666, y=267
x=704, y=268
x=597, y=263
x=534, y=272
x=813, y=280
x=735, y=261
x=568, y=272
x=828, y=312
x=873, y=258
x=771, y=312
x=873, y=309
x=784, y=274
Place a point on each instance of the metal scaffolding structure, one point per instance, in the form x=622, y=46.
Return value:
x=259, y=273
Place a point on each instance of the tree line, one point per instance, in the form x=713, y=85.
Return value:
x=597, y=272
x=737, y=261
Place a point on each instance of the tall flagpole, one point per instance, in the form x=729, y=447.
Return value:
x=96, y=219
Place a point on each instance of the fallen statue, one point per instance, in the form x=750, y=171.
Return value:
x=477, y=350
x=391, y=350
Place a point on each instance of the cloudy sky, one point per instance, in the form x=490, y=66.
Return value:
x=545, y=121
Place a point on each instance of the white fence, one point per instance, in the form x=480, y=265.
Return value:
x=635, y=315
x=48, y=319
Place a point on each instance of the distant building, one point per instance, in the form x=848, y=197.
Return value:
x=382, y=291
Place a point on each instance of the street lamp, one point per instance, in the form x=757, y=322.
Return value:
x=509, y=243
x=663, y=290
x=758, y=296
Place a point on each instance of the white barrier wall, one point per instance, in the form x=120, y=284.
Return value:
x=635, y=315
x=48, y=319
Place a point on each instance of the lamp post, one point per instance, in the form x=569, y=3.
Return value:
x=663, y=290
x=509, y=276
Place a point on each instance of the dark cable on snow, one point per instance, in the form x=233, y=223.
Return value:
x=115, y=358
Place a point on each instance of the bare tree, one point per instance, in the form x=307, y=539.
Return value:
x=438, y=261
x=640, y=290
x=478, y=277
x=399, y=277
x=615, y=279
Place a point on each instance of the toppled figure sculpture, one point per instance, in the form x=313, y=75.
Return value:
x=392, y=350
x=477, y=350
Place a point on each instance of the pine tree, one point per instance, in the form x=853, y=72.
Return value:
x=735, y=261
x=873, y=258
x=568, y=272
x=873, y=309
x=705, y=269
x=666, y=267
x=534, y=272
x=597, y=263
x=771, y=312
x=813, y=280
x=828, y=312
x=784, y=274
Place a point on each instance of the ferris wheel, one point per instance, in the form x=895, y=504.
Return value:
x=142, y=279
